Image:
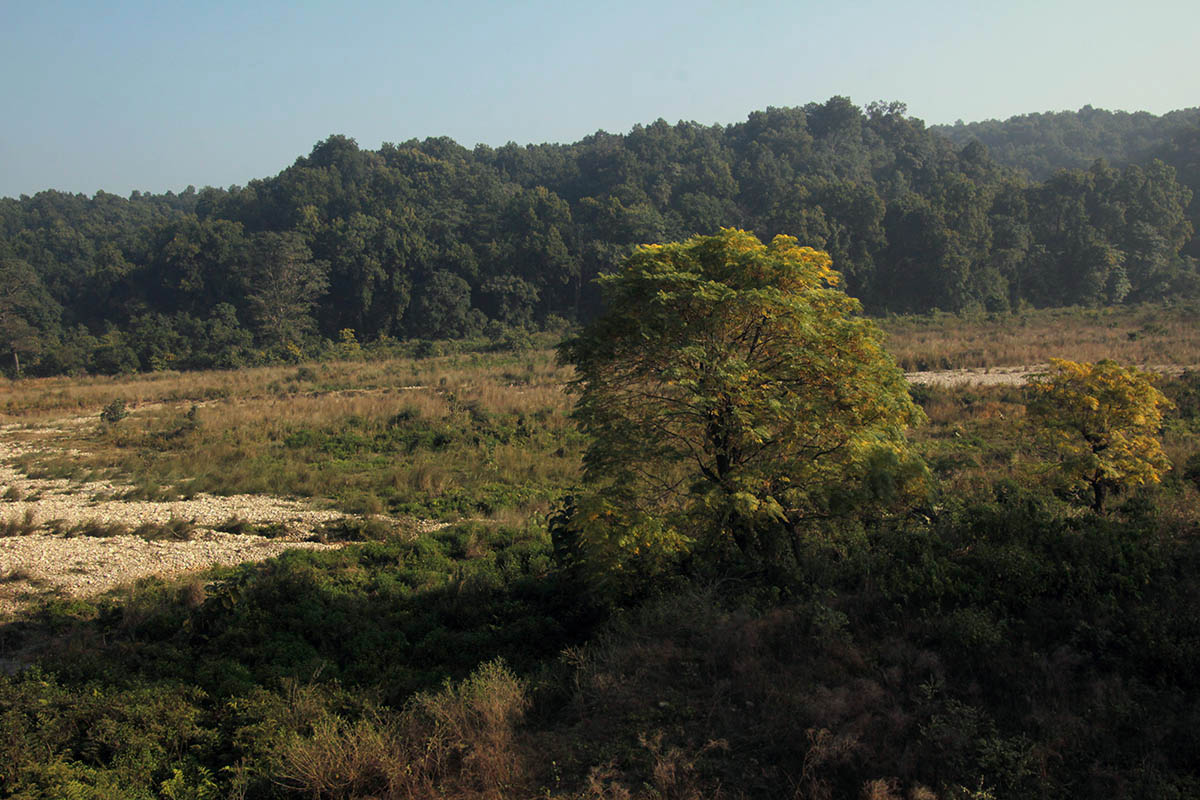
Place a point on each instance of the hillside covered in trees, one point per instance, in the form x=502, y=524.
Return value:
x=430, y=240
x=1040, y=144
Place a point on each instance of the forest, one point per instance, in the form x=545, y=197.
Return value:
x=427, y=240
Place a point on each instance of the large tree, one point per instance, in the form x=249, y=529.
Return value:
x=730, y=389
x=285, y=286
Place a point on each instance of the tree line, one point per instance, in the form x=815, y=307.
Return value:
x=431, y=240
x=1041, y=144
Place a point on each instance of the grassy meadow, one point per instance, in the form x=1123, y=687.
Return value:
x=997, y=641
x=471, y=436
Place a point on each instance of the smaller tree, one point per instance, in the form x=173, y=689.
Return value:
x=27, y=311
x=285, y=287
x=1102, y=420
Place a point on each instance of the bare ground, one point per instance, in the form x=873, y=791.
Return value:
x=1010, y=376
x=994, y=376
x=41, y=555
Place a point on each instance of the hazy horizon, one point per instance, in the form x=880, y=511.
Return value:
x=141, y=97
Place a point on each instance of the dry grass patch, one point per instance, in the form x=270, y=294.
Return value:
x=1150, y=335
x=40, y=397
x=458, y=742
x=455, y=436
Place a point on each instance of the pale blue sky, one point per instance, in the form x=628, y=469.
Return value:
x=155, y=95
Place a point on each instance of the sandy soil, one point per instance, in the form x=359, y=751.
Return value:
x=995, y=376
x=1009, y=376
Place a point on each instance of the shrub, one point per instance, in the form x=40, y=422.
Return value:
x=462, y=738
x=114, y=412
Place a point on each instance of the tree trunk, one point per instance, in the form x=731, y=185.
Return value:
x=742, y=531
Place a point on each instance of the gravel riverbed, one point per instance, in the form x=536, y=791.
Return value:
x=38, y=559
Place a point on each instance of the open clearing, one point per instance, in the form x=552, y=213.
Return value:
x=1009, y=376
x=54, y=557
x=77, y=537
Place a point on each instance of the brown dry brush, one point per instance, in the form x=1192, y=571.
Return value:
x=1149, y=334
x=23, y=525
x=461, y=741
x=705, y=703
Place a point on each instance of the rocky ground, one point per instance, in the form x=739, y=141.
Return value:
x=78, y=538
x=1008, y=376
x=994, y=376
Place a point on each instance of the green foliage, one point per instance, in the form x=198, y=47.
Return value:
x=995, y=645
x=180, y=684
x=427, y=240
x=114, y=412
x=924, y=657
x=27, y=311
x=1043, y=143
x=728, y=391
x=284, y=287
x=957, y=654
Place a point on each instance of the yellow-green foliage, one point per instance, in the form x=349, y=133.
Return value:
x=616, y=549
x=1102, y=421
x=730, y=381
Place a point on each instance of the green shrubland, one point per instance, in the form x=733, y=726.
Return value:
x=1007, y=643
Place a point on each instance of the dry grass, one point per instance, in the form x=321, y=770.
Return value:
x=509, y=446
x=465, y=435
x=1149, y=335
x=458, y=742
x=503, y=383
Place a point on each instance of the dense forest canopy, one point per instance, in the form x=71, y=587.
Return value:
x=1040, y=144
x=428, y=239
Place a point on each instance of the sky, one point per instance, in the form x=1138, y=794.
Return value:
x=157, y=95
